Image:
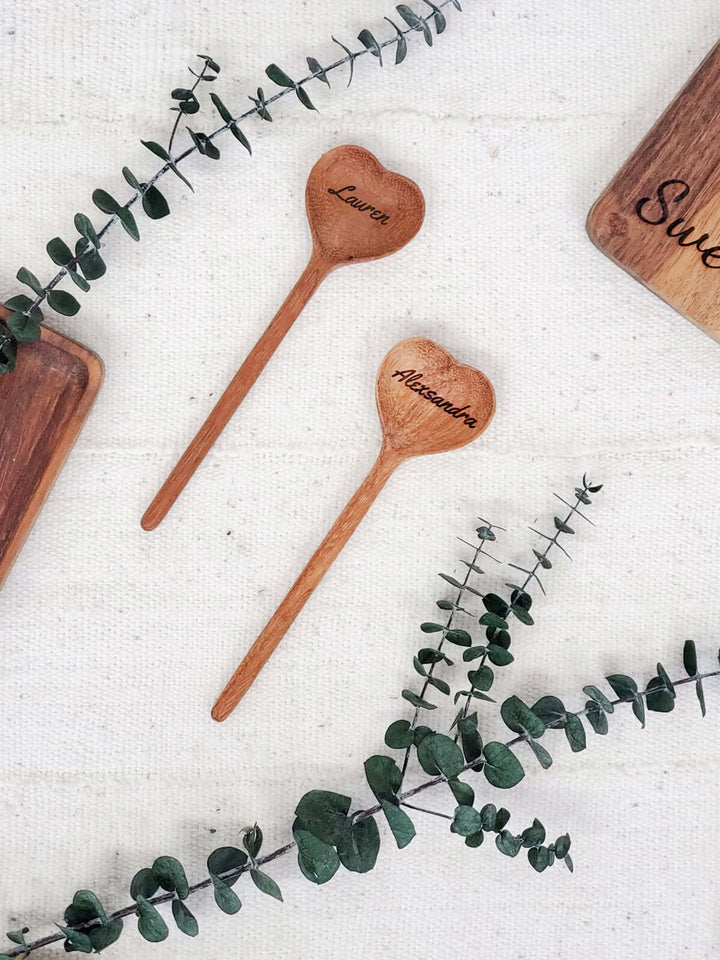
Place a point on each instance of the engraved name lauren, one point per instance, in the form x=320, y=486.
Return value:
x=360, y=205
x=669, y=192
x=413, y=380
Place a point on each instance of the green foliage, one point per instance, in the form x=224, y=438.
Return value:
x=85, y=263
x=324, y=814
x=224, y=861
x=225, y=898
x=151, y=925
x=170, y=875
x=265, y=884
x=184, y=919
x=318, y=861
x=328, y=834
x=358, y=850
x=501, y=767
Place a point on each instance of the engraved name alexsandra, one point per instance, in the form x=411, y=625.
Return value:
x=671, y=192
x=360, y=205
x=413, y=380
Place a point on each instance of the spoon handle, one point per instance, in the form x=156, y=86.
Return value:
x=236, y=391
x=299, y=593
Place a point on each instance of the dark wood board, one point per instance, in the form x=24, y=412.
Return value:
x=43, y=405
x=659, y=219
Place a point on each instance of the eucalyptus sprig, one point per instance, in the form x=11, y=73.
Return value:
x=328, y=833
x=84, y=263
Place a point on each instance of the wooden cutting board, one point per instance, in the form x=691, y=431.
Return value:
x=660, y=217
x=43, y=405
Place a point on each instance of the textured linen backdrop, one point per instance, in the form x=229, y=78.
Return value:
x=115, y=642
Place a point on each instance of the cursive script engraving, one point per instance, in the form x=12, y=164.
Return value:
x=360, y=205
x=671, y=192
x=413, y=380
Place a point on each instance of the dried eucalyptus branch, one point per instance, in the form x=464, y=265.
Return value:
x=86, y=264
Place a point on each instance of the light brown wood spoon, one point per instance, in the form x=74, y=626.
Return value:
x=357, y=211
x=427, y=403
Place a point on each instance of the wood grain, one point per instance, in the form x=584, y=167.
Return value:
x=427, y=403
x=357, y=211
x=659, y=219
x=43, y=406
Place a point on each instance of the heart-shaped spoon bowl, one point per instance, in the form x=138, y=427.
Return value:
x=428, y=402
x=359, y=210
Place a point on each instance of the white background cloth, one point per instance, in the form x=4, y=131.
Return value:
x=115, y=642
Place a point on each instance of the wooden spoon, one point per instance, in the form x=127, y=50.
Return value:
x=427, y=403
x=357, y=211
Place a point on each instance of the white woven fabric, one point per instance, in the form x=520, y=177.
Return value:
x=115, y=642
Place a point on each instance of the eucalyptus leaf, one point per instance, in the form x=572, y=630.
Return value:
x=77, y=939
x=541, y=754
x=466, y=821
x=460, y=638
x=482, y=678
x=599, y=697
x=151, y=925
x=24, y=328
x=144, y=884
x=508, y=844
x=562, y=846
x=521, y=719
x=499, y=655
x=597, y=717
x=358, y=851
x=638, y=708
x=225, y=860
x=317, y=860
x=533, y=836
x=185, y=920
x=370, y=43
x=539, y=858
x=383, y=776
x=154, y=203
x=463, y=793
x=399, y=822
x=62, y=302
x=28, y=278
x=399, y=735
x=575, y=733
x=488, y=815
x=171, y=875
x=58, y=251
x=401, y=48
x=265, y=884
x=253, y=840
x=324, y=814
x=85, y=906
x=417, y=701
x=279, y=76
x=501, y=768
x=104, y=936
x=316, y=69
x=226, y=899
x=624, y=687
x=304, y=99
x=659, y=698
x=351, y=58
x=690, y=658
x=551, y=711
x=438, y=16
x=440, y=754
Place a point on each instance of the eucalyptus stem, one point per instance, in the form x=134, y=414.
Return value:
x=253, y=863
x=479, y=551
x=27, y=314
x=540, y=561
